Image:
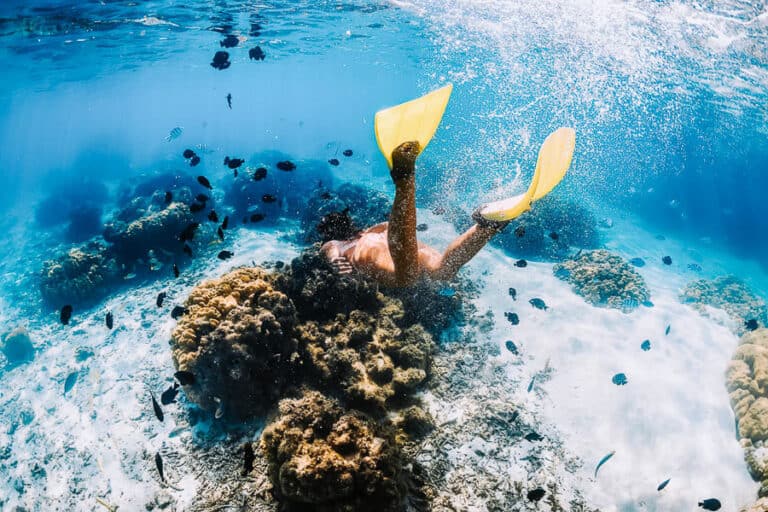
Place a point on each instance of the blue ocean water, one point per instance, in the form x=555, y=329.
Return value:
x=669, y=100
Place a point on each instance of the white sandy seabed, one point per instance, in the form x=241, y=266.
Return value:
x=672, y=419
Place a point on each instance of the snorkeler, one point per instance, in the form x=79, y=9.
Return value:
x=389, y=252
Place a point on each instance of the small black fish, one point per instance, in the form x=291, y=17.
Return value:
x=188, y=153
x=220, y=233
x=156, y=407
x=286, y=165
x=710, y=504
x=184, y=377
x=109, y=320
x=660, y=237
x=666, y=260
x=225, y=255
x=66, y=314
x=512, y=317
x=538, y=304
x=256, y=53
x=233, y=163
x=326, y=195
x=347, y=152
x=646, y=345
x=521, y=263
x=422, y=227
x=438, y=210
x=663, y=484
x=168, y=197
x=619, y=379
x=160, y=298
x=196, y=207
x=229, y=100
x=175, y=270
x=169, y=395
x=554, y=236
x=204, y=182
x=201, y=198
x=268, y=198
x=520, y=231
x=259, y=174
x=257, y=217
x=221, y=61
x=666, y=331
x=187, y=250
x=212, y=216
x=533, y=436
x=235, y=173
x=70, y=381
x=536, y=494
x=334, y=161
x=249, y=458
x=189, y=232
x=178, y=311
x=225, y=222
x=511, y=346
x=638, y=262
x=513, y=293
x=159, y=465
x=229, y=42
x=194, y=161
x=530, y=384
x=751, y=324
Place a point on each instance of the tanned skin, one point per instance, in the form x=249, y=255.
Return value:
x=389, y=252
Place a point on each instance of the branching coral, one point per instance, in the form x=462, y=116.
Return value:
x=747, y=382
x=335, y=460
x=81, y=275
x=604, y=279
x=238, y=339
x=729, y=294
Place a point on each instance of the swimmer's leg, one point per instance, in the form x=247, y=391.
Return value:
x=465, y=246
x=401, y=233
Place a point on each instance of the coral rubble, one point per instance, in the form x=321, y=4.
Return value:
x=747, y=383
x=604, y=279
x=729, y=294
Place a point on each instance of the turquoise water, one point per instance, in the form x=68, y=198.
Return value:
x=669, y=103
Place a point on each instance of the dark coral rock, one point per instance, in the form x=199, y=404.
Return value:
x=238, y=340
x=332, y=460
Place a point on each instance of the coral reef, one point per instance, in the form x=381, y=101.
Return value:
x=367, y=207
x=81, y=275
x=238, y=339
x=760, y=505
x=747, y=383
x=335, y=460
x=604, y=279
x=157, y=230
x=549, y=231
x=729, y=294
x=17, y=347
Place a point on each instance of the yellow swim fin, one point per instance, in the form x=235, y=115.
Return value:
x=554, y=160
x=413, y=120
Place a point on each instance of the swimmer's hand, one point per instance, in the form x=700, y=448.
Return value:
x=342, y=265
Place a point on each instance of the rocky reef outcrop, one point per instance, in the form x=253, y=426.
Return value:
x=729, y=294
x=747, y=383
x=81, y=275
x=333, y=459
x=604, y=279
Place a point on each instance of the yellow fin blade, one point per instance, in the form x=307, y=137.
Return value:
x=555, y=158
x=413, y=120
